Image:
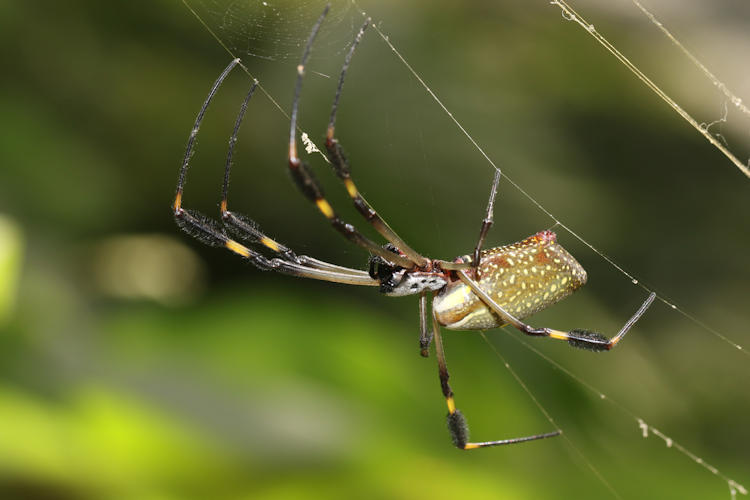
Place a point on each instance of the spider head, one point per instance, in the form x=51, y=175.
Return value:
x=384, y=271
x=397, y=281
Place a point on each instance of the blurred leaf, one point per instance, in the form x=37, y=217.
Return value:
x=11, y=250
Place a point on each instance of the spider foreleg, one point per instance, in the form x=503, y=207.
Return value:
x=200, y=227
x=211, y=233
x=194, y=134
x=306, y=181
x=247, y=229
x=240, y=225
x=340, y=165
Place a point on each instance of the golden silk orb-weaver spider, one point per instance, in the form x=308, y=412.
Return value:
x=487, y=289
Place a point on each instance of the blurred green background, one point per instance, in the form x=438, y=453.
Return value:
x=137, y=364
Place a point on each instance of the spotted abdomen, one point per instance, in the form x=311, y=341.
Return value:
x=523, y=278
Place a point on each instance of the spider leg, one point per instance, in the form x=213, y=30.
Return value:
x=211, y=233
x=194, y=133
x=456, y=421
x=308, y=184
x=487, y=221
x=248, y=230
x=583, y=339
x=425, y=333
x=243, y=226
x=340, y=165
x=486, y=225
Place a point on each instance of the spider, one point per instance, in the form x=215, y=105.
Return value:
x=486, y=289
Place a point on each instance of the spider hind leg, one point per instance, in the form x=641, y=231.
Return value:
x=457, y=426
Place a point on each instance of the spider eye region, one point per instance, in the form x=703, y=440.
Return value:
x=380, y=269
x=396, y=281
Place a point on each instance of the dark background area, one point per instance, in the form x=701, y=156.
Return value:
x=137, y=363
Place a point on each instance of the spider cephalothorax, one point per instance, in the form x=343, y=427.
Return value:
x=490, y=288
x=398, y=281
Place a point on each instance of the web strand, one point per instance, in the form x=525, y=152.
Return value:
x=572, y=15
x=309, y=144
x=733, y=98
x=645, y=428
x=549, y=418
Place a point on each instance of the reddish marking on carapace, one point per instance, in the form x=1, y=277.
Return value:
x=501, y=262
x=541, y=258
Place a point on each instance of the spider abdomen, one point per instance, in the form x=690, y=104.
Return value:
x=523, y=278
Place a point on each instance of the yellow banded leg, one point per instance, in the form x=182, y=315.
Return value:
x=582, y=339
x=325, y=208
x=307, y=183
x=248, y=230
x=341, y=167
x=245, y=227
x=378, y=223
x=211, y=233
x=457, y=425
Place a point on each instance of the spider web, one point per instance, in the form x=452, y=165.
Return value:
x=269, y=36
